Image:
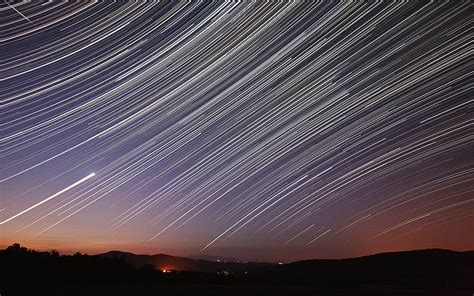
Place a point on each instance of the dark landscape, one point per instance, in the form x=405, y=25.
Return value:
x=420, y=272
x=183, y=147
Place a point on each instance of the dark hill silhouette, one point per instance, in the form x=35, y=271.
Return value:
x=167, y=262
x=421, y=268
x=422, y=272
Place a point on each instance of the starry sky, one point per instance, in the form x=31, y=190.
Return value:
x=258, y=130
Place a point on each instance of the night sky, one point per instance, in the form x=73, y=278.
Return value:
x=270, y=131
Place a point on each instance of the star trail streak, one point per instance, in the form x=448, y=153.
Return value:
x=287, y=129
x=49, y=198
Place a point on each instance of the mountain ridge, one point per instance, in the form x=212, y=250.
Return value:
x=426, y=257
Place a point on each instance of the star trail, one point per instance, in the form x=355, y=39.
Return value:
x=290, y=129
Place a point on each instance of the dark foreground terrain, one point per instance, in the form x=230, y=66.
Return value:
x=423, y=272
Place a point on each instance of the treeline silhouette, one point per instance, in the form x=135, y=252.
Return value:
x=20, y=263
x=425, y=272
x=25, y=271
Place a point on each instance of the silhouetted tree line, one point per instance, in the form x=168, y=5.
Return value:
x=28, y=272
x=21, y=264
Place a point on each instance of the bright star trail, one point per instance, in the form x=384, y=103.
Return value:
x=268, y=130
x=49, y=198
